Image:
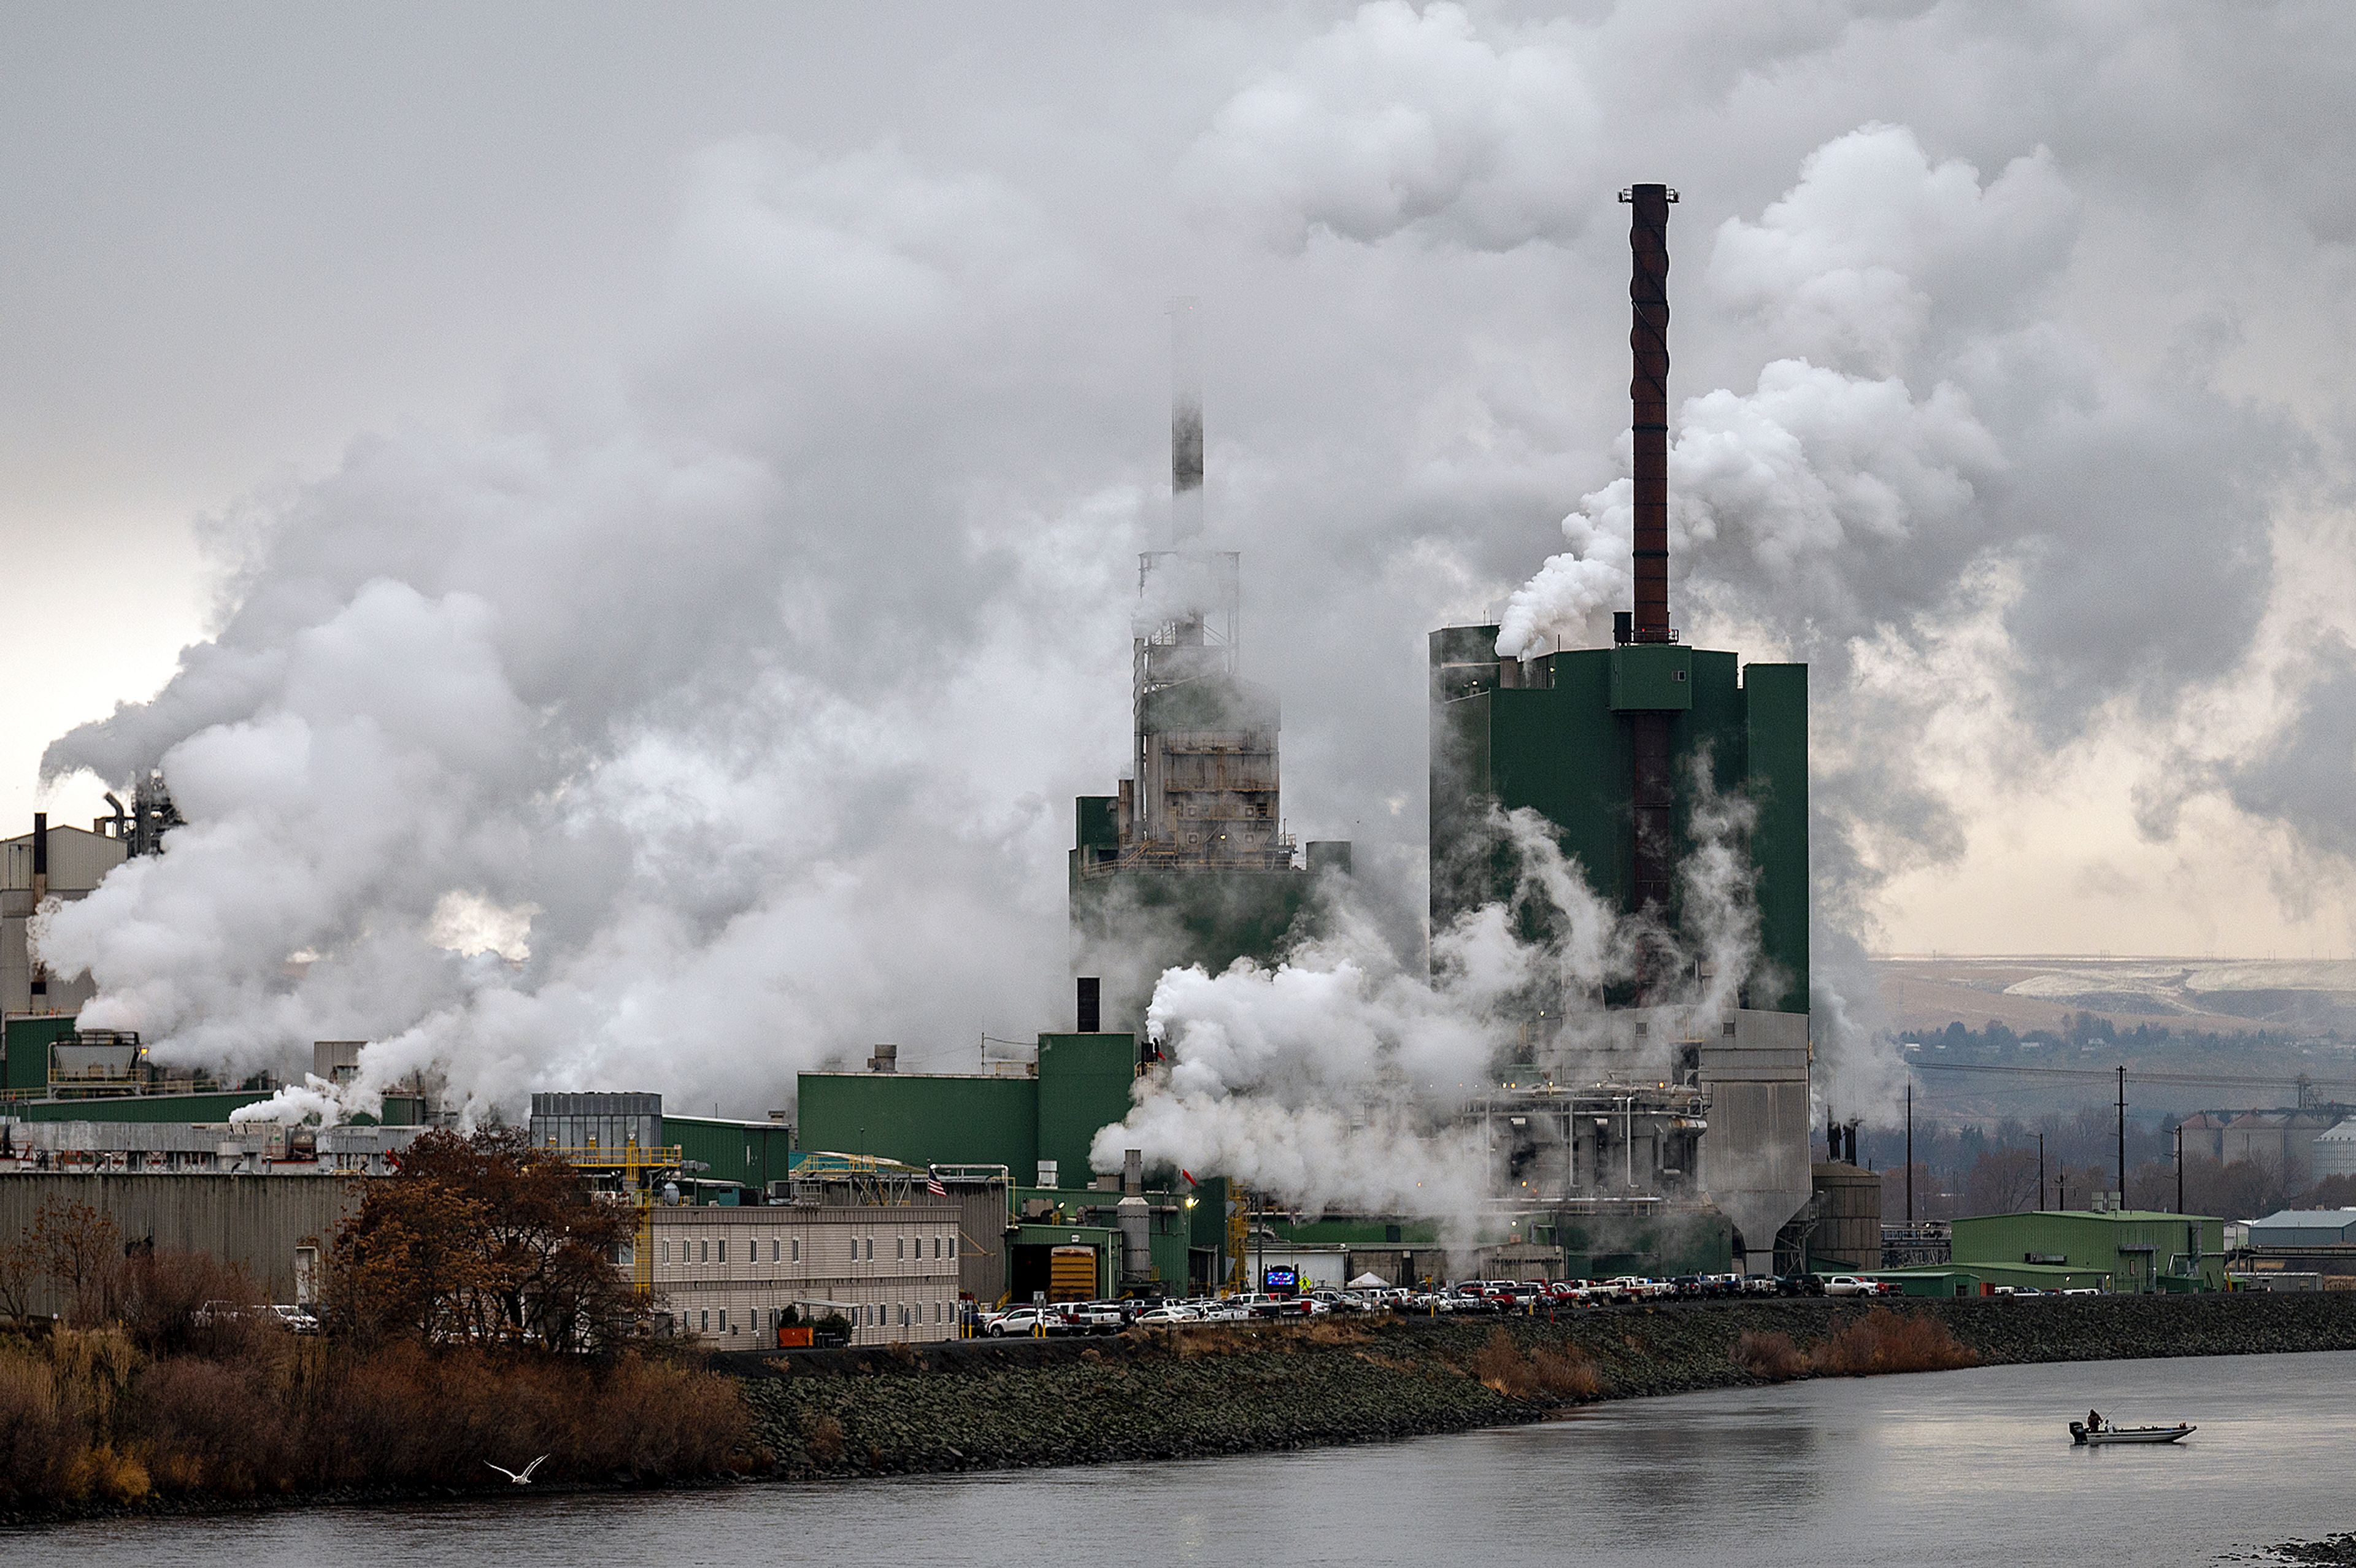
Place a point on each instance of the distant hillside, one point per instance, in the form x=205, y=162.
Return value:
x=2208, y=996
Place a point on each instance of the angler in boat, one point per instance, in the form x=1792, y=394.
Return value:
x=2096, y=1430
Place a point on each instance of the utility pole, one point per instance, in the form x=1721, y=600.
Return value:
x=1909, y=1151
x=2122, y=1135
x=2041, y=1170
x=2179, y=1164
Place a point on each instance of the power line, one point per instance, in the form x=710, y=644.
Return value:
x=2215, y=1080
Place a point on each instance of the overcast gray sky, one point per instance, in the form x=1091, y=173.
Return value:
x=714, y=439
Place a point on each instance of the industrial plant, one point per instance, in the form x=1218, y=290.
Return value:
x=1653, y=1118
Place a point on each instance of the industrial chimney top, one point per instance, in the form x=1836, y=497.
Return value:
x=1648, y=339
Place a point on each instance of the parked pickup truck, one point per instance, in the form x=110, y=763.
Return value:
x=1094, y=1316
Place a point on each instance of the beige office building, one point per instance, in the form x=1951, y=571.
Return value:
x=729, y=1273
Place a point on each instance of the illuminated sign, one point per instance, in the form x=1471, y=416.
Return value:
x=1280, y=1279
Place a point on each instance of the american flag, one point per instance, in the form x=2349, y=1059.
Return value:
x=933, y=1183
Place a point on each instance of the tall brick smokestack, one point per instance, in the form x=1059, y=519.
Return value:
x=1652, y=795
x=1648, y=338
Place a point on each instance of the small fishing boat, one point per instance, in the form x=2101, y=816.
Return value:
x=2099, y=1432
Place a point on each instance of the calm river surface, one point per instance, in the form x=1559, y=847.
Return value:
x=1946, y=1468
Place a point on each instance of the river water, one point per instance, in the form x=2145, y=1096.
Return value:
x=1946, y=1468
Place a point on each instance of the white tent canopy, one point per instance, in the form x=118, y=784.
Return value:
x=1369, y=1282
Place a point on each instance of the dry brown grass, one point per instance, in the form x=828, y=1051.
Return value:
x=1215, y=1340
x=1884, y=1341
x=1327, y=1332
x=824, y=1440
x=84, y=1415
x=1770, y=1358
x=1505, y=1368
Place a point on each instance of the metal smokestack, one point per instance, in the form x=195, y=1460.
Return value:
x=1648, y=390
x=1652, y=795
x=39, y=983
x=1185, y=428
x=1134, y=1218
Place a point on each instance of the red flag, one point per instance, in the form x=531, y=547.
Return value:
x=1189, y=1176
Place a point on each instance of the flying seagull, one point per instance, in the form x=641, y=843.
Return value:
x=522, y=1480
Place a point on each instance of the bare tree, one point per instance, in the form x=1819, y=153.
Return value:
x=20, y=1270
x=80, y=1251
x=2002, y=1181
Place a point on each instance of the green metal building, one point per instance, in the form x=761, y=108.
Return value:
x=1037, y=1126
x=750, y=1154
x=1566, y=735
x=2140, y=1251
x=31, y=1090
x=1554, y=735
x=1082, y=1083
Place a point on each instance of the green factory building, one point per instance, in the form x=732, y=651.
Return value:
x=1625, y=754
x=2138, y=1251
x=1037, y=1127
x=1557, y=734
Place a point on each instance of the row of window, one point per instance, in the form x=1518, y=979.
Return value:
x=702, y=1249
x=877, y=1315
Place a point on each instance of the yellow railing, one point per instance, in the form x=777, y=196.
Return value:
x=62, y=1086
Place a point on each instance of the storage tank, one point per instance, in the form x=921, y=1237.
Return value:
x=1847, y=1232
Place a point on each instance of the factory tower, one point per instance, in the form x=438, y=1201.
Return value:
x=1189, y=862
x=1615, y=747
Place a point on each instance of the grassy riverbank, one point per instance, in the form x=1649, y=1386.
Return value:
x=88, y=1423
x=1148, y=1396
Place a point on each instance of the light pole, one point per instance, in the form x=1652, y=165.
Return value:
x=2122, y=1135
x=2179, y=1164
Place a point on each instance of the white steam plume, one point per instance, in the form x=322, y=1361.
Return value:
x=1857, y=495
x=608, y=749
x=1331, y=1080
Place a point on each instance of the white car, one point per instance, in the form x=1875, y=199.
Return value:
x=1849, y=1285
x=1168, y=1315
x=1025, y=1320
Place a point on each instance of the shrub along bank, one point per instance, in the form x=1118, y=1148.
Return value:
x=1149, y=1395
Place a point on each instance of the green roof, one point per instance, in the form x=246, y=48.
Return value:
x=2123, y=1216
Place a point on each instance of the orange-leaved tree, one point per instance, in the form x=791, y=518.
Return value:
x=486, y=1240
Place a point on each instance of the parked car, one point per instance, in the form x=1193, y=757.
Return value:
x=1026, y=1321
x=1849, y=1285
x=293, y=1319
x=1169, y=1315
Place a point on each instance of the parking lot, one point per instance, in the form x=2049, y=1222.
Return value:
x=1470, y=1297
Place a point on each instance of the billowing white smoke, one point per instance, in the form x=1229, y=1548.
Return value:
x=1964, y=437
x=615, y=748
x=1866, y=498
x=1332, y=1079
x=1406, y=119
